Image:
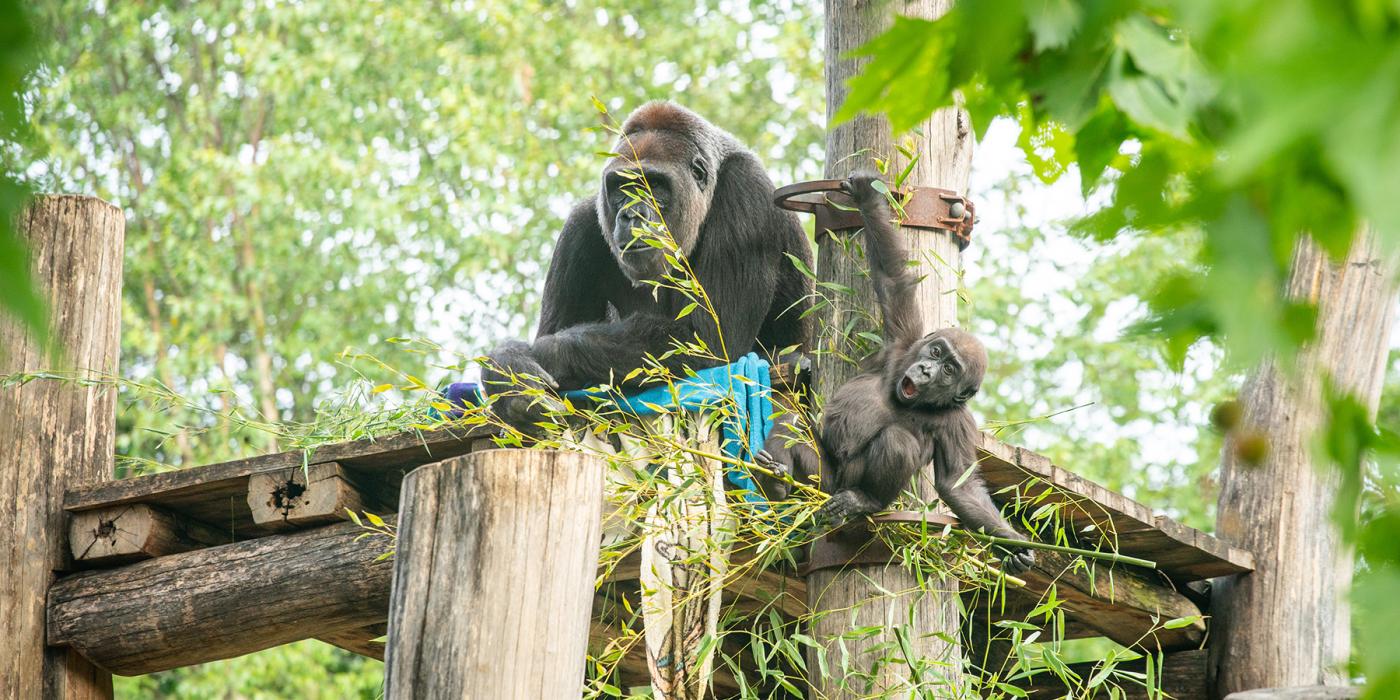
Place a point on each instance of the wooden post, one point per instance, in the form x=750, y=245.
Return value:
x=849, y=598
x=55, y=436
x=1287, y=624
x=494, y=576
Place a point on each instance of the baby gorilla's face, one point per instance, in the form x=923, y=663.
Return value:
x=942, y=370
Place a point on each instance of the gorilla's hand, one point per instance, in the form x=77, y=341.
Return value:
x=1016, y=560
x=774, y=483
x=513, y=357
x=861, y=186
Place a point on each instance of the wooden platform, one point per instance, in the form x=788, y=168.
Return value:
x=218, y=506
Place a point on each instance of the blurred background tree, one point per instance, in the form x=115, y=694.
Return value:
x=308, y=176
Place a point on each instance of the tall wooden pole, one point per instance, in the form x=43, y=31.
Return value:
x=493, y=576
x=55, y=436
x=1287, y=623
x=849, y=598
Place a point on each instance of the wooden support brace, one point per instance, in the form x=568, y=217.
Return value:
x=1121, y=603
x=360, y=640
x=222, y=602
x=134, y=532
x=1182, y=676
x=297, y=497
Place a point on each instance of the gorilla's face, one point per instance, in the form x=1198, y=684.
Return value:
x=667, y=187
x=942, y=370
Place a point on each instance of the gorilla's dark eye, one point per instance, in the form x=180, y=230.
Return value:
x=697, y=169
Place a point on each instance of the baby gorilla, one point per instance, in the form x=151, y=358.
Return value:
x=906, y=408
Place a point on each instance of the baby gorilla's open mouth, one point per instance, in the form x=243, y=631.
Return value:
x=907, y=388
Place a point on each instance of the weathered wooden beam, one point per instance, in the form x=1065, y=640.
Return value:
x=218, y=493
x=221, y=602
x=1182, y=676
x=55, y=435
x=297, y=497
x=1310, y=692
x=1122, y=603
x=493, y=576
x=1104, y=517
x=134, y=532
x=360, y=640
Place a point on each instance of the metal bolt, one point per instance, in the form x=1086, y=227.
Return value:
x=957, y=210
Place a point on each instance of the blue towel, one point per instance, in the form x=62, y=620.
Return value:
x=743, y=432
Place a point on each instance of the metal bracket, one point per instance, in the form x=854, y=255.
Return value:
x=929, y=208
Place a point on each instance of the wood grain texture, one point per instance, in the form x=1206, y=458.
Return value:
x=493, y=579
x=360, y=640
x=852, y=597
x=125, y=534
x=1123, y=603
x=1287, y=624
x=1313, y=692
x=217, y=494
x=1105, y=518
x=222, y=602
x=55, y=436
x=298, y=497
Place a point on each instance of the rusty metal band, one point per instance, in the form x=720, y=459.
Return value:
x=929, y=208
x=853, y=544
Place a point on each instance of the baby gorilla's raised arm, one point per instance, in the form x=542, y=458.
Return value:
x=890, y=274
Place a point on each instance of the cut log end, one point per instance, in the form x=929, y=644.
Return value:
x=290, y=498
x=125, y=534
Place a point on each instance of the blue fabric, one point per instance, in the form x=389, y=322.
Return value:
x=748, y=381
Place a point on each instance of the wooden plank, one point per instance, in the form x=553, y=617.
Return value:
x=217, y=494
x=124, y=534
x=1122, y=603
x=220, y=602
x=297, y=497
x=1100, y=515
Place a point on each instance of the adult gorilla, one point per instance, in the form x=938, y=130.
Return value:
x=600, y=320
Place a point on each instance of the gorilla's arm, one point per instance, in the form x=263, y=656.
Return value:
x=890, y=273
x=736, y=261
x=966, y=494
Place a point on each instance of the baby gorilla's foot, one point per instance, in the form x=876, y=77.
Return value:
x=1018, y=561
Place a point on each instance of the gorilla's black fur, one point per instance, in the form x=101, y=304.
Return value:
x=906, y=408
x=599, y=320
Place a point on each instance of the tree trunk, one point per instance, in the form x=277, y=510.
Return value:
x=55, y=436
x=493, y=577
x=849, y=598
x=1287, y=623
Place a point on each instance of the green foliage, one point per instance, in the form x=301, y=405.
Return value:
x=17, y=43
x=310, y=670
x=1248, y=124
x=1249, y=121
